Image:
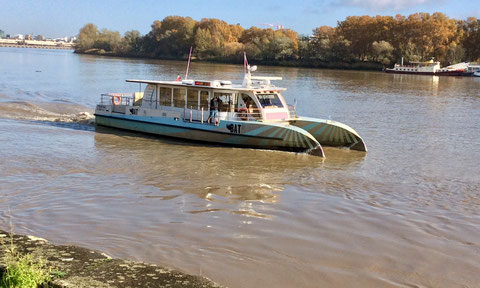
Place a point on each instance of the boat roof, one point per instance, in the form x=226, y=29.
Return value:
x=259, y=86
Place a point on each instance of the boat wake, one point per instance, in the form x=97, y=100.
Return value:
x=60, y=111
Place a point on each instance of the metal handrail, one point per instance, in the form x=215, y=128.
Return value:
x=195, y=115
x=125, y=98
x=189, y=114
x=247, y=114
x=292, y=110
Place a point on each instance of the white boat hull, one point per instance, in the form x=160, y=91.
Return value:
x=236, y=133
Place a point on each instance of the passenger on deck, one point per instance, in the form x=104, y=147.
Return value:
x=214, y=109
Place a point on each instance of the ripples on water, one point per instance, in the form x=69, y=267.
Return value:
x=405, y=215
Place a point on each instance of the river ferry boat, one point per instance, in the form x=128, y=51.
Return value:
x=427, y=68
x=253, y=114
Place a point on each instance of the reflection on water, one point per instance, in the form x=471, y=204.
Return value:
x=214, y=173
x=405, y=215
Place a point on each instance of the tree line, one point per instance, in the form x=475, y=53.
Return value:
x=357, y=41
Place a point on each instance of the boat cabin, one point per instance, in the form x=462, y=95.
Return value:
x=428, y=66
x=190, y=100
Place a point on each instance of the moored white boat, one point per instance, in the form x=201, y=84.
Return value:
x=428, y=68
x=473, y=69
x=253, y=114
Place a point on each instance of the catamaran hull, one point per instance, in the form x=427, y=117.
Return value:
x=331, y=133
x=234, y=133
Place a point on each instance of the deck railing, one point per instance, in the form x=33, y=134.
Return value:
x=117, y=99
x=246, y=114
x=292, y=111
x=194, y=115
x=189, y=114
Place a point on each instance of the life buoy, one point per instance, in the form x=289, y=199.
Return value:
x=116, y=100
x=243, y=113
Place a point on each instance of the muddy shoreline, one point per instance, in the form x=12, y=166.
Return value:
x=73, y=266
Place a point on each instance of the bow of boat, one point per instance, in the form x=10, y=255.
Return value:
x=331, y=133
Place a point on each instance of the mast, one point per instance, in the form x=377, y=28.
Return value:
x=188, y=63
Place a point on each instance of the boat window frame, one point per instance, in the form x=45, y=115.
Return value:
x=207, y=106
x=232, y=102
x=255, y=111
x=197, y=96
x=276, y=95
x=184, y=97
x=160, y=87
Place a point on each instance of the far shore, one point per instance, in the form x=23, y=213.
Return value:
x=362, y=66
x=36, y=46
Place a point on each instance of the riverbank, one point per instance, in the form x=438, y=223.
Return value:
x=73, y=266
x=36, y=46
x=360, y=66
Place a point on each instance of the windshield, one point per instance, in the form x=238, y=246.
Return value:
x=269, y=100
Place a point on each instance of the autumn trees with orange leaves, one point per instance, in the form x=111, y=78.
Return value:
x=357, y=39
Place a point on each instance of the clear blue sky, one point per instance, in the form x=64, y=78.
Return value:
x=56, y=18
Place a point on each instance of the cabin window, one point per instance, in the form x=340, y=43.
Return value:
x=227, y=101
x=179, y=97
x=270, y=100
x=165, y=96
x=204, y=100
x=192, y=99
x=247, y=102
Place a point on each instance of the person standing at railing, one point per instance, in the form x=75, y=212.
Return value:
x=214, y=109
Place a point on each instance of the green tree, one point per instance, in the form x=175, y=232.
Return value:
x=322, y=43
x=256, y=41
x=471, y=38
x=234, y=51
x=205, y=45
x=171, y=37
x=279, y=48
x=131, y=42
x=108, y=41
x=329, y=45
x=359, y=31
x=212, y=35
x=382, y=52
x=303, y=47
x=87, y=37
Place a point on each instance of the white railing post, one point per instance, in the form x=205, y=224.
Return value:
x=191, y=113
x=202, y=115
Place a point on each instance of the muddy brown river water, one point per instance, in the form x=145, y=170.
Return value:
x=407, y=214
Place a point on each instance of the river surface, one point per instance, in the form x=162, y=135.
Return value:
x=407, y=214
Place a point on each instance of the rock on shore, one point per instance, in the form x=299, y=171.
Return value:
x=73, y=266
